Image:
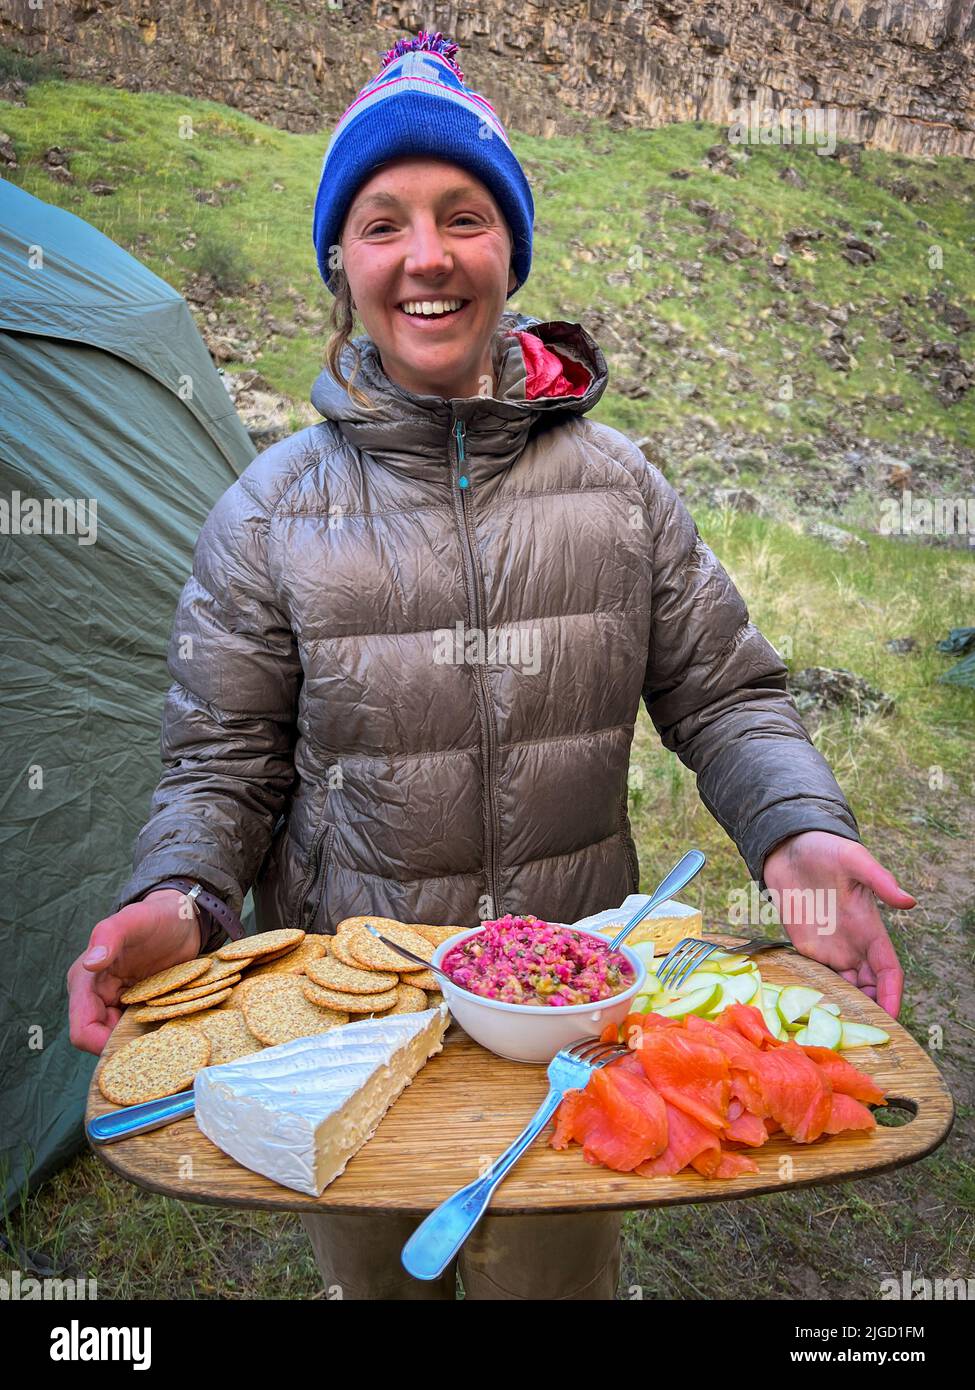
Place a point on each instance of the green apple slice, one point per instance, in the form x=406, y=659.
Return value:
x=651, y=986
x=724, y=963
x=745, y=987
x=644, y=949
x=830, y=1008
x=795, y=1001
x=773, y=1022
x=770, y=994
x=697, y=1002
x=861, y=1035
x=822, y=1030
x=697, y=979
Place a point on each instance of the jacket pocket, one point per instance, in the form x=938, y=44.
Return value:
x=313, y=884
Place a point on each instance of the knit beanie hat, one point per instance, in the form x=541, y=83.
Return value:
x=418, y=104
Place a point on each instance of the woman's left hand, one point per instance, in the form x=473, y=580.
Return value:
x=842, y=926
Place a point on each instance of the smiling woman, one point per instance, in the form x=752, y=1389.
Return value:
x=466, y=488
x=427, y=256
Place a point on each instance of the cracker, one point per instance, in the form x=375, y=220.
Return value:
x=349, y=1003
x=227, y=1031
x=165, y=981
x=422, y=979
x=220, y=969
x=277, y=1011
x=261, y=945
x=351, y=924
x=338, y=946
x=292, y=962
x=148, y=1014
x=434, y=999
x=368, y=950
x=194, y=992
x=332, y=974
x=154, y=1065
x=409, y=1000
x=438, y=935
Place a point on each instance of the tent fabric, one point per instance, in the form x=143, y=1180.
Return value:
x=95, y=356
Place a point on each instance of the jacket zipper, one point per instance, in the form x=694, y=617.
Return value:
x=627, y=839
x=492, y=835
x=317, y=860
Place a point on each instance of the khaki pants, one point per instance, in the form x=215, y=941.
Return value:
x=575, y=1256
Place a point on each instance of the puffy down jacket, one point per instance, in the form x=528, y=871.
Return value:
x=409, y=659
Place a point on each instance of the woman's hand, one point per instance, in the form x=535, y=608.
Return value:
x=160, y=931
x=841, y=926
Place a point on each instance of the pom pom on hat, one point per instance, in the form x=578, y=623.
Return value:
x=424, y=42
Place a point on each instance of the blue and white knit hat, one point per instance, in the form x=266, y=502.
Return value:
x=418, y=104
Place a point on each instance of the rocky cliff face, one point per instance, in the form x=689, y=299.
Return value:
x=898, y=76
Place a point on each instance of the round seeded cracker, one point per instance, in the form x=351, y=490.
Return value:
x=277, y=1011
x=349, y=1003
x=370, y=951
x=409, y=1000
x=229, y=1035
x=438, y=935
x=291, y=962
x=261, y=945
x=332, y=974
x=165, y=981
x=148, y=1014
x=338, y=946
x=195, y=991
x=154, y=1065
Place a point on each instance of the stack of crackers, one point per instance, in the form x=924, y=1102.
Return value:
x=264, y=990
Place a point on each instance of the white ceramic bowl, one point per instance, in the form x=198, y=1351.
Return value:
x=534, y=1032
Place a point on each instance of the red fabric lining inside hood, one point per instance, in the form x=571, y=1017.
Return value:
x=549, y=374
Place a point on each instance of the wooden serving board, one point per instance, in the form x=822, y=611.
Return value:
x=467, y=1105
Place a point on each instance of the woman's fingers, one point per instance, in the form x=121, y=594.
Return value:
x=91, y=1019
x=865, y=869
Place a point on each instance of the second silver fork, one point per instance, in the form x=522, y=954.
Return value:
x=691, y=952
x=437, y=1240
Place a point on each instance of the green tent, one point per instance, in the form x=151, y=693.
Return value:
x=116, y=438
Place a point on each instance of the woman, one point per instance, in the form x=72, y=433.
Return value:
x=335, y=740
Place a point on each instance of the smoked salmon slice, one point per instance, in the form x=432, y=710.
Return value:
x=688, y=1074
x=691, y=1086
x=687, y=1139
x=844, y=1077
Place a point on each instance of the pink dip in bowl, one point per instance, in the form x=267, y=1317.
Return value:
x=521, y=960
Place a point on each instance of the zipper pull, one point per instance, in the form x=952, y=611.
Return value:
x=463, y=480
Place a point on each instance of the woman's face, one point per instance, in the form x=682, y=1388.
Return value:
x=418, y=230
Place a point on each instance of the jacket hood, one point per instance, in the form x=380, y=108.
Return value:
x=410, y=432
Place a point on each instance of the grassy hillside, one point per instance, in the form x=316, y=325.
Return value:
x=199, y=187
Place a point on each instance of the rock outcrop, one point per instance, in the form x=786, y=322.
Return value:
x=894, y=74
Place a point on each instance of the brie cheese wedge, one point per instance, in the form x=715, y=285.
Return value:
x=298, y=1112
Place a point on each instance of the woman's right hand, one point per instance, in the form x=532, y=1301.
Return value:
x=160, y=931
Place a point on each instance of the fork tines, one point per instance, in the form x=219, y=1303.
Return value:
x=686, y=956
x=591, y=1049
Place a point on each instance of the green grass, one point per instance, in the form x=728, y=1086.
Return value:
x=610, y=193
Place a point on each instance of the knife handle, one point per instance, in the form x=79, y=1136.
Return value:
x=135, y=1119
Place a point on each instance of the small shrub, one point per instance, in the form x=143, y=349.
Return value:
x=224, y=262
x=23, y=68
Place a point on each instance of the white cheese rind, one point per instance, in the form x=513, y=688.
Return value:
x=297, y=1113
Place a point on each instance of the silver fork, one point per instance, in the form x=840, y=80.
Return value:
x=437, y=1240
x=691, y=952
